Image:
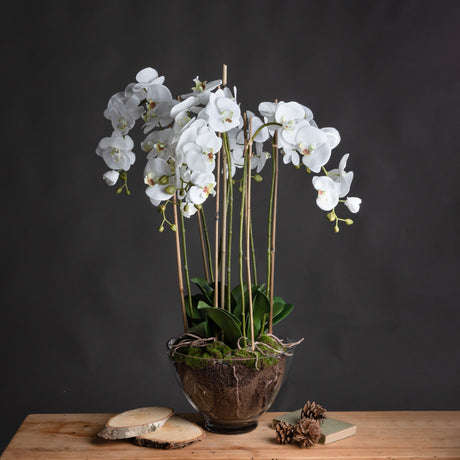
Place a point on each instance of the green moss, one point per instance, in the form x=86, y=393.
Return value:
x=196, y=357
x=219, y=350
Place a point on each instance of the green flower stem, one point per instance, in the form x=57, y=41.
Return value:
x=273, y=242
x=216, y=234
x=208, y=243
x=270, y=220
x=203, y=248
x=223, y=242
x=272, y=123
x=243, y=199
x=248, y=218
x=230, y=219
x=253, y=253
x=184, y=247
x=179, y=267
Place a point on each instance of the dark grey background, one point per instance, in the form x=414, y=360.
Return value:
x=89, y=285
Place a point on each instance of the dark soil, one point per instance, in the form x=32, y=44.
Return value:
x=231, y=392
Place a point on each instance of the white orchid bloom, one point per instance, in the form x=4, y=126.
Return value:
x=260, y=157
x=123, y=112
x=333, y=137
x=200, y=154
x=111, y=177
x=204, y=184
x=159, y=144
x=256, y=123
x=146, y=78
x=158, y=175
x=202, y=90
x=187, y=209
x=353, y=203
x=222, y=112
x=159, y=102
x=236, y=142
x=116, y=151
x=312, y=144
x=288, y=114
x=341, y=177
x=328, y=196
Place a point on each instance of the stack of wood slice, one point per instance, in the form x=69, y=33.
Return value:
x=152, y=427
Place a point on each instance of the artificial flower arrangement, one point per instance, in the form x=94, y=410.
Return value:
x=203, y=145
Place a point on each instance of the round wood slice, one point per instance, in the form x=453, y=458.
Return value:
x=135, y=422
x=175, y=433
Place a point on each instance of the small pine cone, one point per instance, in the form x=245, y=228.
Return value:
x=314, y=411
x=284, y=432
x=307, y=432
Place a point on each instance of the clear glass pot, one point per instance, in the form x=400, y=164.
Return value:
x=230, y=393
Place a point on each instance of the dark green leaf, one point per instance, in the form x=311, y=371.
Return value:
x=205, y=287
x=202, y=329
x=228, y=322
x=287, y=308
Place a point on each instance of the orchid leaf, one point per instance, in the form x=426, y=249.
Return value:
x=202, y=329
x=260, y=308
x=205, y=287
x=229, y=323
x=286, y=310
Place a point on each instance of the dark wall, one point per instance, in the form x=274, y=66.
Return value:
x=89, y=285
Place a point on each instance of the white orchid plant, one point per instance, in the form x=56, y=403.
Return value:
x=196, y=146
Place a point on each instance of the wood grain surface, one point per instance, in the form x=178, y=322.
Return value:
x=395, y=435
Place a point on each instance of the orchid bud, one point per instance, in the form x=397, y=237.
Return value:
x=198, y=206
x=161, y=229
x=331, y=216
x=348, y=221
x=161, y=209
x=119, y=190
x=186, y=207
x=258, y=178
x=297, y=166
x=163, y=180
x=308, y=169
x=173, y=227
x=128, y=192
x=170, y=189
x=336, y=229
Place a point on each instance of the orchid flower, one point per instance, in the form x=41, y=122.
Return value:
x=116, y=151
x=222, y=112
x=159, y=178
x=204, y=184
x=341, y=177
x=353, y=204
x=328, y=196
x=111, y=177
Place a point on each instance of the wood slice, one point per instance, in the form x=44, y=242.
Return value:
x=177, y=432
x=135, y=422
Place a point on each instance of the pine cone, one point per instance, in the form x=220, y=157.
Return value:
x=314, y=411
x=284, y=432
x=307, y=432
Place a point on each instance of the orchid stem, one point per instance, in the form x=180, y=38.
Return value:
x=230, y=220
x=203, y=248
x=179, y=267
x=223, y=243
x=216, y=242
x=242, y=212
x=248, y=218
x=208, y=243
x=184, y=246
x=273, y=241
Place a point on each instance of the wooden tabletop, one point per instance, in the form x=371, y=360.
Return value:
x=395, y=435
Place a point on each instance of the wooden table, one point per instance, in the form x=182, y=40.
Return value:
x=395, y=435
